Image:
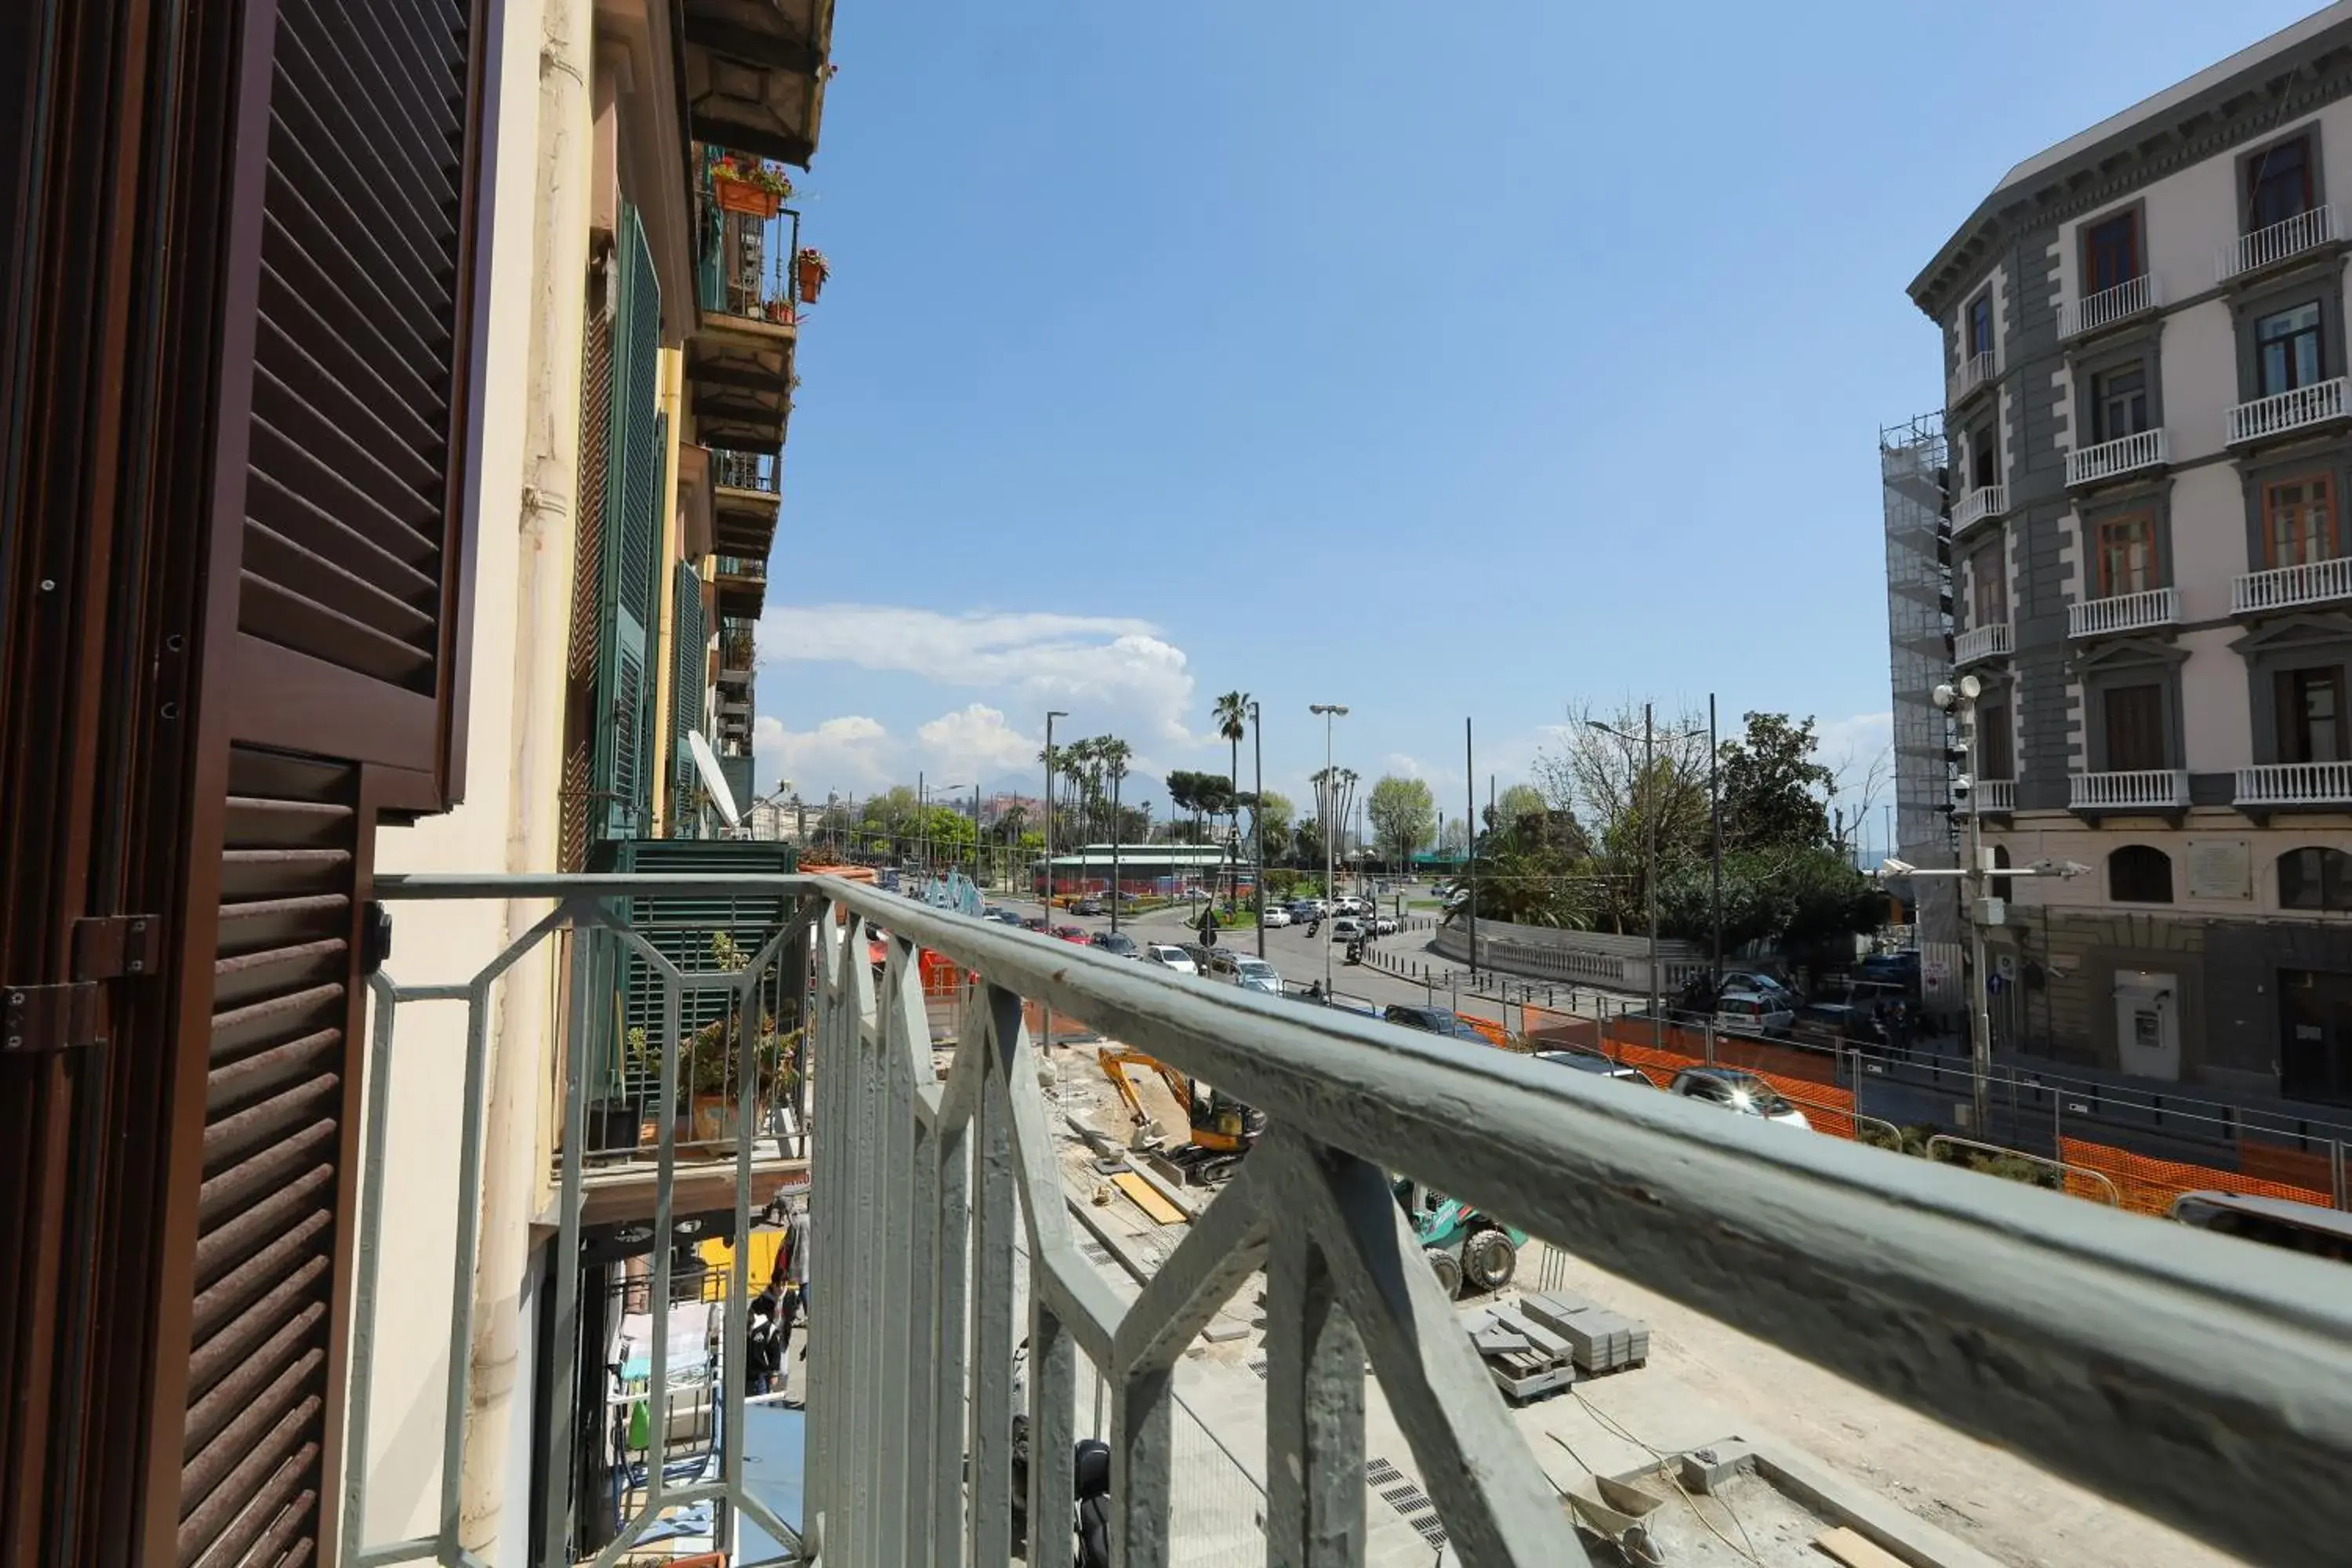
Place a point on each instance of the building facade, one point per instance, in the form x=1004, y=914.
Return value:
x=2148, y=425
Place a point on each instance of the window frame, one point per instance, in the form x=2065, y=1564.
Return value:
x=1996, y=739
x=2141, y=852
x=2098, y=527
x=2293, y=379
x=1988, y=566
x=2320, y=284
x=2252, y=168
x=2129, y=219
x=2330, y=531
x=2103, y=428
x=2158, y=729
x=2292, y=718
x=2275, y=648
x=1978, y=311
x=2333, y=887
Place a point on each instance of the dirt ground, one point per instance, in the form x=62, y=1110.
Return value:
x=1995, y=1501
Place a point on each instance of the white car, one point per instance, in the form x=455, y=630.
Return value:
x=1738, y=1091
x=1255, y=974
x=1753, y=1013
x=1347, y=929
x=1277, y=917
x=1384, y=925
x=1169, y=957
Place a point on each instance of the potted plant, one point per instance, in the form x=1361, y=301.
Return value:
x=716, y=1072
x=615, y=1120
x=750, y=185
x=810, y=269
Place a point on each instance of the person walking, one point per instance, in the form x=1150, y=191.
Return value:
x=792, y=1273
x=764, y=1355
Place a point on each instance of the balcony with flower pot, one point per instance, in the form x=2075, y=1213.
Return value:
x=740, y=357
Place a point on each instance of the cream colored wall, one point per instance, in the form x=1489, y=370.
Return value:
x=2209, y=539
x=2199, y=369
x=2059, y=837
x=445, y=942
x=2217, y=733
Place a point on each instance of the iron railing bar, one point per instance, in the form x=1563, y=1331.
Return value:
x=415, y=1550
x=772, y=1523
x=734, y=1359
x=1081, y=1299
x=461, y=1289
x=862, y=1259
x=664, y=1242
x=359, y=1400
x=993, y=1228
x=906, y=1039
x=1497, y=1505
x=1222, y=1246
x=555, y=1512
x=1314, y=1406
x=951, y=1312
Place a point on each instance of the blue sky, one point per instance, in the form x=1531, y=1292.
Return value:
x=1439, y=360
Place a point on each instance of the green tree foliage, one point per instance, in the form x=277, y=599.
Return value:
x=1774, y=794
x=1536, y=869
x=1276, y=812
x=1404, y=815
x=1519, y=800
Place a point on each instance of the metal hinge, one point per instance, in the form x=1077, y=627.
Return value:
x=109, y=947
x=49, y=1017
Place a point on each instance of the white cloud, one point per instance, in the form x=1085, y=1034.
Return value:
x=1114, y=672
x=851, y=752
x=976, y=741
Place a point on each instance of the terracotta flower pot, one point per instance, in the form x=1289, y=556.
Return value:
x=810, y=272
x=735, y=196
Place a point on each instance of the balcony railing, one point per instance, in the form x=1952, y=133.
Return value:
x=761, y=471
x=1974, y=372
x=1996, y=795
x=927, y=1187
x=2283, y=413
x=2108, y=306
x=2280, y=242
x=1982, y=642
x=2113, y=459
x=748, y=270
x=2296, y=784
x=2285, y=588
x=735, y=651
x=2154, y=789
x=1984, y=501
x=744, y=566
x=2123, y=612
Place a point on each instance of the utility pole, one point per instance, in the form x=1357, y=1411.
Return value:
x=1118, y=772
x=1257, y=818
x=1470, y=821
x=1330, y=798
x=1051, y=715
x=979, y=866
x=1650, y=832
x=923, y=822
x=1715, y=828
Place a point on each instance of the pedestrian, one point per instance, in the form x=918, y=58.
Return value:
x=764, y=1354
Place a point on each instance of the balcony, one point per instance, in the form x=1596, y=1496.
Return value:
x=739, y=359
x=2291, y=785
x=1981, y=643
x=755, y=75
x=2109, y=307
x=1996, y=797
x=2281, y=242
x=2114, y=460
x=1984, y=501
x=2153, y=789
x=735, y=657
x=746, y=497
x=742, y=584
x=1973, y=376
x=2286, y=413
x=2288, y=587
x=2123, y=612
x=937, y=1199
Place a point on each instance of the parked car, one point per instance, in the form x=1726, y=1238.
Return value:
x=1736, y=1091
x=1089, y=905
x=991, y=911
x=1169, y=956
x=1430, y=1021
x=1253, y=974
x=1274, y=918
x=1035, y=922
x=1073, y=934
x=1116, y=942
x=1762, y=984
x=1347, y=928
x=1384, y=925
x=1754, y=1013
x=1834, y=1023
x=1595, y=1064
x=1007, y=917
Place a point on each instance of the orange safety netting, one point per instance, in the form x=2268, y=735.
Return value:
x=1828, y=1108
x=2149, y=1186
x=1760, y=1057
x=2295, y=1167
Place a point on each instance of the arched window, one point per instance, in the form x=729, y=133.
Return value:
x=2000, y=862
x=2314, y=878
x=2139, y=874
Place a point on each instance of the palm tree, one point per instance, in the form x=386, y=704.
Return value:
x=1233, y=723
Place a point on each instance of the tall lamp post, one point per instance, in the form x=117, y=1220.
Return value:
x=1257, y=819
x=1327, y=711
x=1051, y=715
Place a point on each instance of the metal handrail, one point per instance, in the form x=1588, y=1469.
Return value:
x=2114, y=1197
x=2238, y=1358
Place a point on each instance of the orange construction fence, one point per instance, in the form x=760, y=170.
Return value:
x=1828, y=1107
x=2149, y=1187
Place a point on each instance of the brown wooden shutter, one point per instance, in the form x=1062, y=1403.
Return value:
x=581, y=808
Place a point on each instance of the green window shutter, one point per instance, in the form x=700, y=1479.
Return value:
x=632, y=534
x=689, y=674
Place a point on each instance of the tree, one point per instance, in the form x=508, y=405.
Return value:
x=1774, y=794
x=1270, y=816
x=1454, y=839
x=1233, y=723
x=1404, y=815
x=1598, y=776
x=1519, y=800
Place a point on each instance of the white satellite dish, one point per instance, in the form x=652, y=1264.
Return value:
x=706, y=762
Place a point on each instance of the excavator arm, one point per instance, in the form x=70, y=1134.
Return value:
x=1116, y=1060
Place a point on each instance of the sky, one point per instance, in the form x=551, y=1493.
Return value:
x=1445, y=361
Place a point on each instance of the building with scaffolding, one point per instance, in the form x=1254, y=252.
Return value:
x=1911, y=465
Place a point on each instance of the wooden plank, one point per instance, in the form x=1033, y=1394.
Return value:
x=1854, y=1550
x=1147, y=1197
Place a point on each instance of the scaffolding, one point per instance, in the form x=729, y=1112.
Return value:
x=1911, y=462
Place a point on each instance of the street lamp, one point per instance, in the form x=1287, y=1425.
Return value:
x=1649, y=833
x=1051, y=715
x=1327, y=711
x=1257, y=819
x=1961, y=700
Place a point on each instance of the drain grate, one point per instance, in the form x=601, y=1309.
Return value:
x=1412, y=1504
x=1257, y=1365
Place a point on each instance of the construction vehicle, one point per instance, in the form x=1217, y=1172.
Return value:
x=1465, y=1247
x=1222, y=1128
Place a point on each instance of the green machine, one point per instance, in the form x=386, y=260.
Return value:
x=1466, y=1247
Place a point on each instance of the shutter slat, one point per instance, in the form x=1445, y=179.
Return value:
x=233, y=1188
x=225, y=1526
x=225, y=1245
x=355, y=402
x=376, y=141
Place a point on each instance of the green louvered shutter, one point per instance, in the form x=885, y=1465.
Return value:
x=689, y=671
x=632, y=532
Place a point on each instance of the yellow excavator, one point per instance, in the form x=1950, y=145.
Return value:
x=1222, y=1129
